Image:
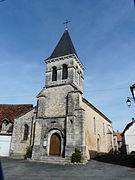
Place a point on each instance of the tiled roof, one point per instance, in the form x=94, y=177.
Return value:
x=64, y=46
x=119, y=136
x=11, y=111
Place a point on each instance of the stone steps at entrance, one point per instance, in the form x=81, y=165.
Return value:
x=55, y=160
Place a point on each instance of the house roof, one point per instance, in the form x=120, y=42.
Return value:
x=133, y=85
x=11, y=111
x=94, y=108
x=128, y=126
x=64, y=46
x=119, y=136
x=131, y=88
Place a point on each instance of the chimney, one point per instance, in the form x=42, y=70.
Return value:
x=133, y=120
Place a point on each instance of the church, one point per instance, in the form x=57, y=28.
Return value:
x=63, y=120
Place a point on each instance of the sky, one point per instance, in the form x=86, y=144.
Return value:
x=103, y=33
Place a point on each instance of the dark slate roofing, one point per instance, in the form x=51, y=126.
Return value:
x=64, y=46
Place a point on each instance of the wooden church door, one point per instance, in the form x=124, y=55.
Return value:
x=55, y=145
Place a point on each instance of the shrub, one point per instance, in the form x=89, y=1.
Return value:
x=76, y=156
x=29, y=151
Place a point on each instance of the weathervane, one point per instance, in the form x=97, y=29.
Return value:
x=66, y=23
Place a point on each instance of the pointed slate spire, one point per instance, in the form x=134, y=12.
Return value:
x=64, y=46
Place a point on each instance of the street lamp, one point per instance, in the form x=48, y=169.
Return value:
x=129, y=99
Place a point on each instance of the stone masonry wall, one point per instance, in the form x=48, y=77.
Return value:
x=52, y=101
x=92, y=134
x=18, y=145
x=43, y=132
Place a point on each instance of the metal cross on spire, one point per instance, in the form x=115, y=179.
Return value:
x=66, y=23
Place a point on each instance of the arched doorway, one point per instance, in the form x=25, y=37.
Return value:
x=55, y=145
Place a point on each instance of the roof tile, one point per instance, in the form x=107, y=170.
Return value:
x=11, y=111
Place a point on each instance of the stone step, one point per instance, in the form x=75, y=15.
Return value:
x=16, y=156
x=55, y=160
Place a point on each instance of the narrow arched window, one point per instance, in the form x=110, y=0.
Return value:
x=5, y=125
x=76, y=75
x=65, y=72
x=79, y=78
x=26, y=132
x=94, y=123
x=103, y=128
x=54, y=73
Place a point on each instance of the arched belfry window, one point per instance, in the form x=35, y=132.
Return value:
x=26, y=132
x=65, y=72
x=54, y=73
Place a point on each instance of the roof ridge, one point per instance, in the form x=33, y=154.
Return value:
x=88, y=103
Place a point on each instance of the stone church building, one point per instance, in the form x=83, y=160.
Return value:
x=62, y=120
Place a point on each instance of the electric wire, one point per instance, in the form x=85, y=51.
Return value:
x=85, y=91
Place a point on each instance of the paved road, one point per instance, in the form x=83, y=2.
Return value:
x=95, y=170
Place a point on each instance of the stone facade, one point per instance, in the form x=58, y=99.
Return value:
x=18, y=144
x=98, y=131
x=62, y=120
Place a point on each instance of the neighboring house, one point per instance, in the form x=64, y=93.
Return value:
x=115, y=142
x=8, y=113
x=119, y=140
x=63, y=120
x=129, y=137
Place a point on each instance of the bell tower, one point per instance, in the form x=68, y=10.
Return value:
x=63, y=66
